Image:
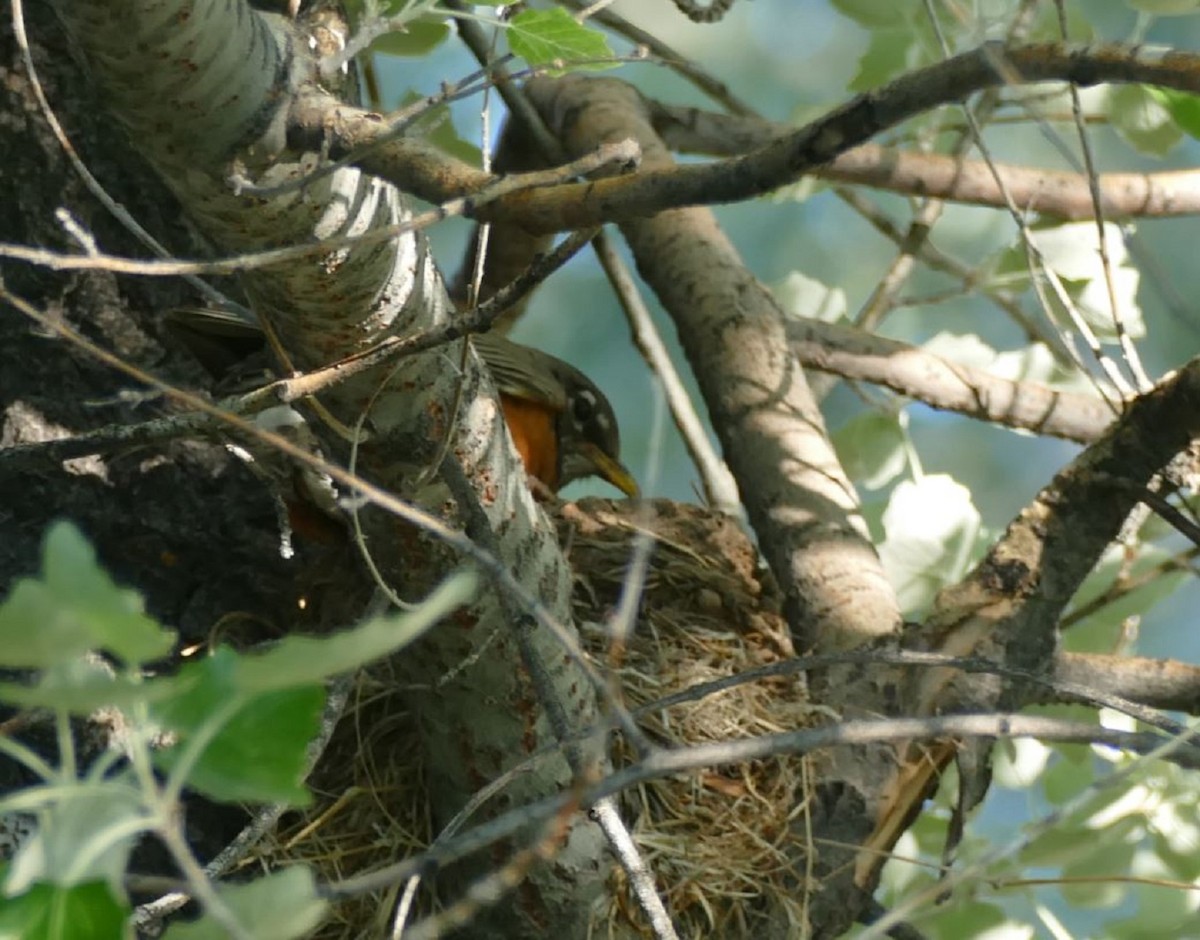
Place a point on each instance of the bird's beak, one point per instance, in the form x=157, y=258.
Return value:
x=611, y=470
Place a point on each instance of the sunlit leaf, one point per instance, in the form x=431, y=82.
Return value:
x=552, y=37
x=806, y=297
x=1182, y=106
x=931, y=527
x=1140, y=117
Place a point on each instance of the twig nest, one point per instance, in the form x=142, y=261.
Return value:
x=722, y=843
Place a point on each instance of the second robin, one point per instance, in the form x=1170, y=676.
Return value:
x=563, y=426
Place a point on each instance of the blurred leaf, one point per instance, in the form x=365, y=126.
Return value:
x=82, y=685
x=1182, y=106
x=966, y=349
x=1067, y=777
x=258, y=742
x=964, y=916
x=1018, y=762
x=299, y=660
x=803, y=296
x=279, y=906
x=51, y=912
x=889, y=53
x=931, y=527
x=552, y=37
x=75, y=607
x=1031, y=363
x=436, y=125
x=872, y=449
x=417, y=37
x=1068, y=843
x=1137, y=114
x=1072, y=251
x=1109, y=858
x=875, y=15
x=84, y=835
x=1101, y=630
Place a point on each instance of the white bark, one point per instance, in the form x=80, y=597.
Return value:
x=203, y=88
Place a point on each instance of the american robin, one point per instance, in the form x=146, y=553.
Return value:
x=561, y=423
x=563, y=426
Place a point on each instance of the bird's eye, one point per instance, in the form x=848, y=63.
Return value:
x=583, y=407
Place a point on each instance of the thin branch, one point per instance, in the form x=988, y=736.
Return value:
x=300, y=386
x=720, y=489
x=940, y=383
x=1132, y=360
x=800, y=152
x=686, y=760
x=677, y=62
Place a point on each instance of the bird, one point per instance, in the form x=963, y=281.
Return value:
x=560, y=422
x=562, y=425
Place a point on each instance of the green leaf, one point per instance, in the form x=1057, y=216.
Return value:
x=83, y=685
x=552, y=37
x=52, y=912
x=299, y=660
x=279, y=906
x=1084, y=881
x=436, y=125
x=415, y=38
x=1142, y=119
x=1182, y=106
x=873, y=15
x=967, y=916
x=889, y=53
x=1067, y=778
x=85, y=835
x=1098, y=632
x=74, y=608
x=261, y=710
x=256, y=743
x=872, y=448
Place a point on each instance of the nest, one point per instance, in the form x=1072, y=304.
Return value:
x=722, y=843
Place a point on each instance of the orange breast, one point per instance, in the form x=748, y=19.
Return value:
x=532, y=428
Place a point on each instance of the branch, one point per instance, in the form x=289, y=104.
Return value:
x=954, y=179
x=765, y=156
x=684, y=760
x=800, y=503
x=1159, y=683
x=1017, y=594
x=939, y=383
x=1009, y=607
x=803, y=151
